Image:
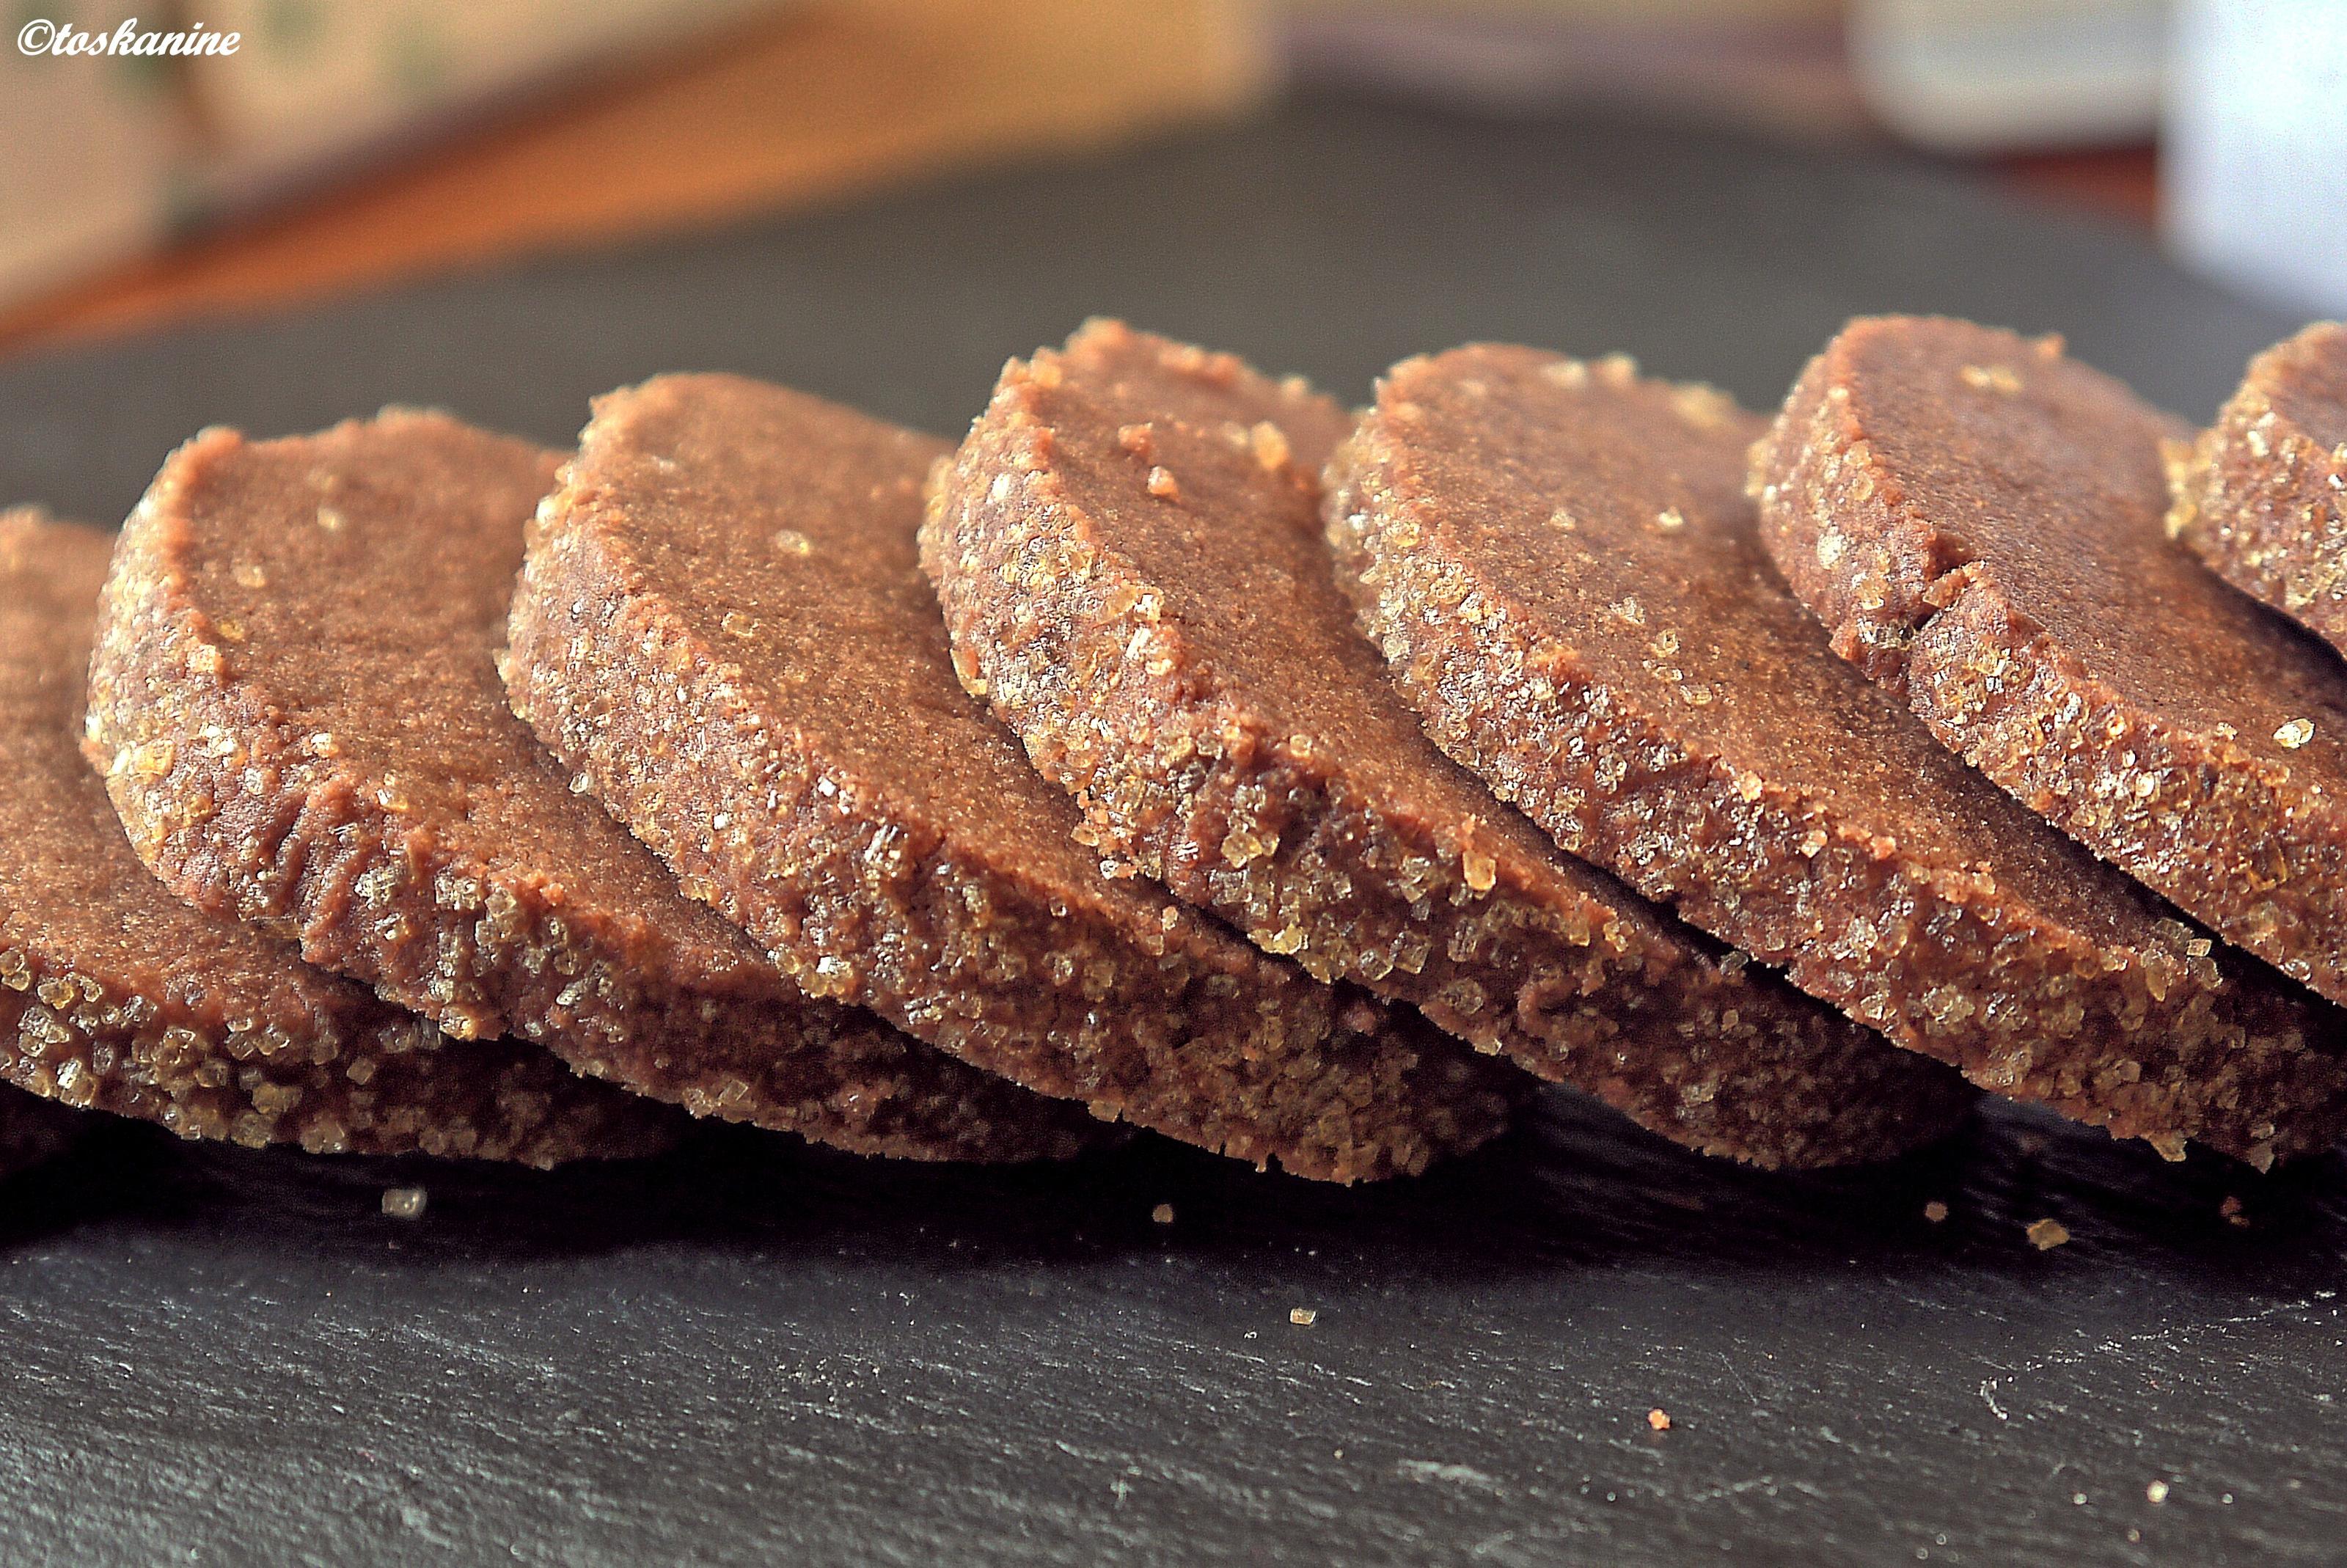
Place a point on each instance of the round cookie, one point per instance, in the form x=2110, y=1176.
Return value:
x=116, y=995
x=1188, y=669
x=2261, y=496
x=298, y=710
x=1561, y=565
x=1978, y=520
x=723, y=625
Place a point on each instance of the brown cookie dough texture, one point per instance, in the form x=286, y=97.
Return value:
x=1978, y=521
x=1562, y=566
x=116, y=995
x=2262, y=495
x=724, y=626
x=1128, y=547
x=298, y=712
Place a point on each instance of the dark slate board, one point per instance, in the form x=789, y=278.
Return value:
x=749, y=1352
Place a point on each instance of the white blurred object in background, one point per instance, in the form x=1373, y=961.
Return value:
x=2254, y=160
x=2011, y=75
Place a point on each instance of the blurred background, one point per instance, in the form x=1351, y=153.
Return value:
x=352, y=142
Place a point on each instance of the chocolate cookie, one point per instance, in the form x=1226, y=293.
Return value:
x=1562, y=566
x=723, y=627
x=2262, y=495
x=1978, y=520
x=297, y=707
x=1128, y=548
x=115, y=995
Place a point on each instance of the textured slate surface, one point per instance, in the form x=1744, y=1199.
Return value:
x=749, y=1353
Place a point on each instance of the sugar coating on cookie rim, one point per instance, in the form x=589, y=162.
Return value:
x=2261, y=494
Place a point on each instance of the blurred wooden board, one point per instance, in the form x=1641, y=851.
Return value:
x=825, y=99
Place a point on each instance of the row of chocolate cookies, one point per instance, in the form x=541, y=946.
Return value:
x=1572, y=593
x=280, y=707
x=1128, y=548
x=295, y=703
x=298, y=707
x=721, y=633
x=721, y=625
x=388, y=920
x=1979, y=521
x=292, y=870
